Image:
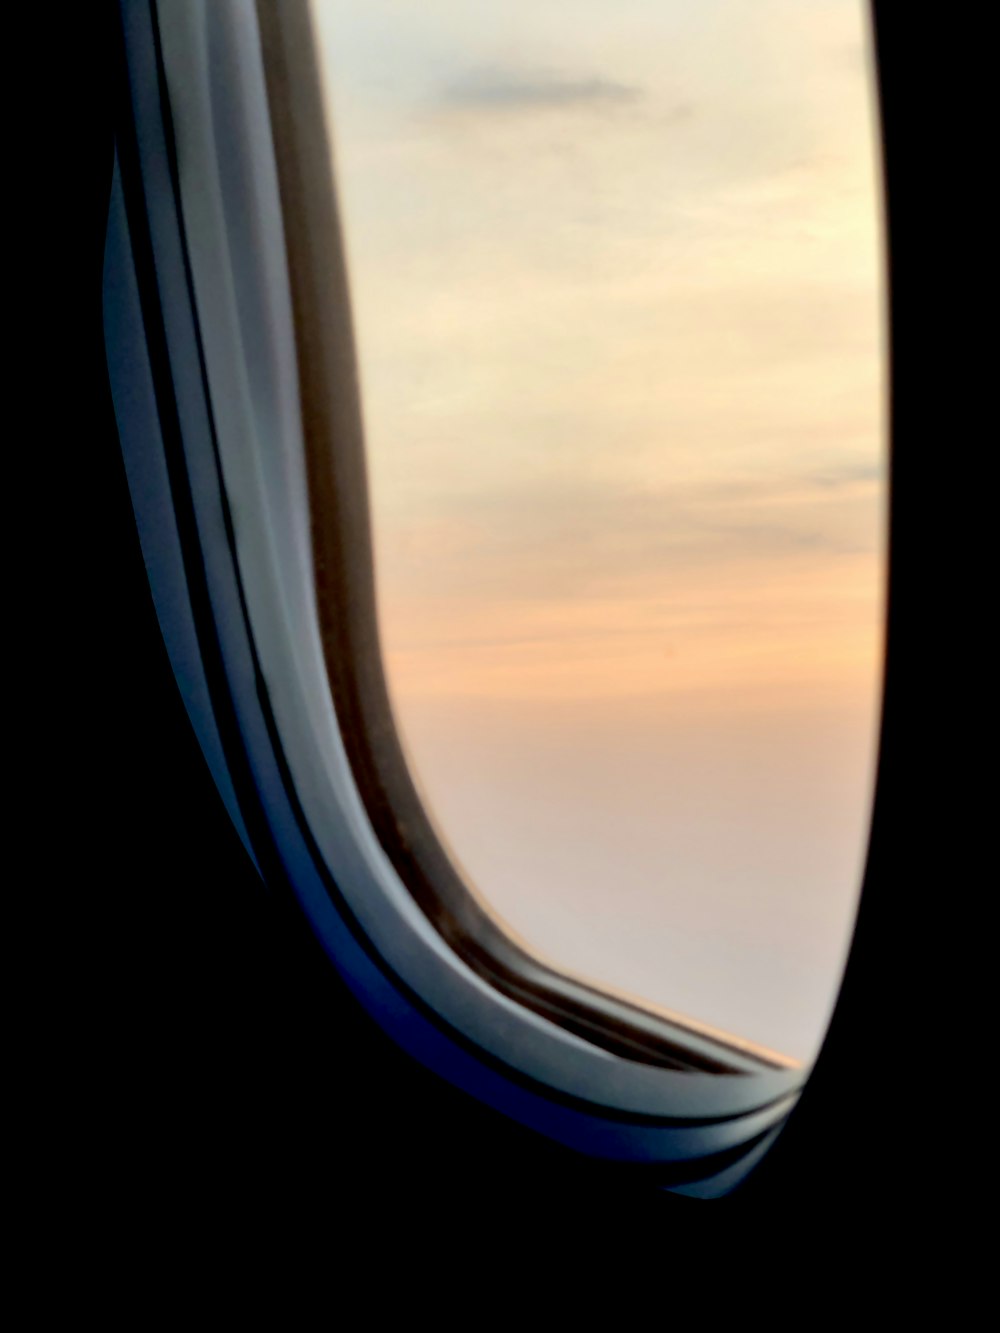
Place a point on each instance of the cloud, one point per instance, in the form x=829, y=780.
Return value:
x=566, y=539
x=500, y=89
x=848, y=474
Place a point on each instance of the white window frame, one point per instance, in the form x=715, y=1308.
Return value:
x=198, y=178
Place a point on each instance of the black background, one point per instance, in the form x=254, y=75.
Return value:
x=202, y=1056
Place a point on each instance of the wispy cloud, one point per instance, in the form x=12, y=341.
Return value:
x=847, y=474
x=503, y=89
x=565, y=540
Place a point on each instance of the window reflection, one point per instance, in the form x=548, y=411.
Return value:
x=617, y=291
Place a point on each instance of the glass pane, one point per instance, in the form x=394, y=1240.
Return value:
x=618, y=296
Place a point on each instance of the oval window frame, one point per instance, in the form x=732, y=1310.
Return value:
x=178, y=184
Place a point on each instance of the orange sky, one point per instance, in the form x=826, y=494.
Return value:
x=617, y=293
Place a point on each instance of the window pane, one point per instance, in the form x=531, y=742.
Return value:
x=617, y=284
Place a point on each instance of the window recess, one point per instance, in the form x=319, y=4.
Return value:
x=226, y=187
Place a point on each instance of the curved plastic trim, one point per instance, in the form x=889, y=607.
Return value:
x=206, y=206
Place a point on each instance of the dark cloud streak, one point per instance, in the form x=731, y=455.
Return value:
x=499, y=89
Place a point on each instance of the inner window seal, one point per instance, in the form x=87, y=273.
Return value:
x=346, y=598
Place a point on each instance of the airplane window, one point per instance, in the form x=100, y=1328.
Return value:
x=617, y=294
x=525, y=469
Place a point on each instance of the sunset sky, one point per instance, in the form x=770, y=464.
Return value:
x=617, y=283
